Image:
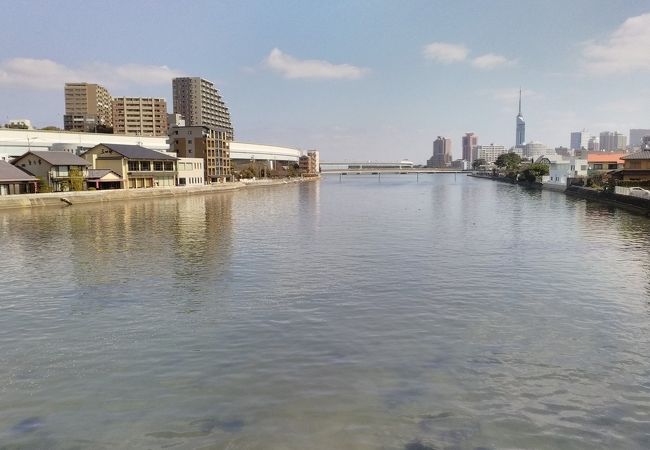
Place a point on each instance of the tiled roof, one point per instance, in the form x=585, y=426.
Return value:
x=643, y=154
x=605, y=157
x=59, y=158
x=99, y=173
x=138, y=152
x=9, y=172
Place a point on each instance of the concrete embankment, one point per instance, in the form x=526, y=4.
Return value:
x=60, y=199
x=627, y=202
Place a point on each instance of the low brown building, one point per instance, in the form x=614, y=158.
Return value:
x=15, y=181
x=62, y=171
x=636, y=167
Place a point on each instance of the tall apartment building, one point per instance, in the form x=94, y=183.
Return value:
x=209, y=143
x=470, y=140
x=140, y=116
x=489, y=153
x=200, y=103
x=441, y=153
x=610, y=141
x=88, y=108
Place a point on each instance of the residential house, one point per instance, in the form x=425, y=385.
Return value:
x=138, y=167
x=561, y=170
x=603, y=162
x=15, y=181
x=102, y=179
x=636, y=167
x=61, y=171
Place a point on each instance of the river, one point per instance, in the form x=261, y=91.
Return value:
x=351, y=313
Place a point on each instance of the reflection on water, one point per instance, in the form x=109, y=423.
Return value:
x=439, y=313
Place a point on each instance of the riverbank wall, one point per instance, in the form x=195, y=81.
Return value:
x=636, y=205
x=627, y=202
x=59, y=199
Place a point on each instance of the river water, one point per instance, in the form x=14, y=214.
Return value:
x=351, y=313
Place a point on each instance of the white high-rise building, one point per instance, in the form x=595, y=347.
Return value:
x=489, y=153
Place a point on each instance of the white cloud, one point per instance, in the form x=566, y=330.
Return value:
x=624, y=51
x=45, y=74
x=291, y=67
x=445, y=53
x=491, y=61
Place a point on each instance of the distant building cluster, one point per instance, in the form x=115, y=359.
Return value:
x=476, y=155
x=133, y=142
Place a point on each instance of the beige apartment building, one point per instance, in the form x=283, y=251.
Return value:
x=209, y=144
x=200, y=103
x=88, y=108
x=140, y=116
x=310, y=163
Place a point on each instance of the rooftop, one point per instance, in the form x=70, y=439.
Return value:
x=9, y=172
x=138, y=152
x=643, y=154
x=603, y=157
x=58, y=158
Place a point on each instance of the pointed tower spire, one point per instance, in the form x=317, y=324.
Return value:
x=521, y=126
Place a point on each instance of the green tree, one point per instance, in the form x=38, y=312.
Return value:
x=534, y=171
x=76, y=179
x=478, y=163
x=510, y=161
x=51, y=128
x=43, y=186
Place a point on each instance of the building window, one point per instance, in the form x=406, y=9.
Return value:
x=598, y=166
x=157, y=165
x=133, y=166
x=145, y=165
x=169, y=165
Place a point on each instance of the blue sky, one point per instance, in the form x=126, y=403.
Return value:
x=362, y=80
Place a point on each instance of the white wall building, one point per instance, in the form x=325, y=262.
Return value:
x=561, y=169
x=489, y=153
x=534, y=149
x=190, y=172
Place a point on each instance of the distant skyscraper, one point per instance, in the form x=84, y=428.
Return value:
x=612, y=141
x=441, y=153
x=201, y=104
x=579, y=140
x=470, y=140
x=636, y=136
x=521, y=126
x=593, y=144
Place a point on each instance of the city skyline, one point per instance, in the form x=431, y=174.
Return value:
x=362, y=81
